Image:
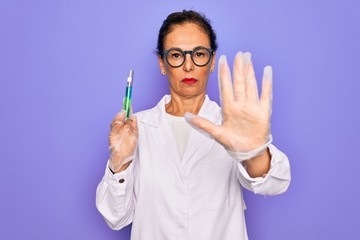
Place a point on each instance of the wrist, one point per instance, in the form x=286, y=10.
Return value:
x=243, y=156
x=118, y=168
x=258, y=166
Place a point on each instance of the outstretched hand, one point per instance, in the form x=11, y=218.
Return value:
x=245, y=116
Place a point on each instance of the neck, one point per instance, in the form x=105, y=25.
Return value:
x=178, y=105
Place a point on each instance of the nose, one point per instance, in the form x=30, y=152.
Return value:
x=188, y=64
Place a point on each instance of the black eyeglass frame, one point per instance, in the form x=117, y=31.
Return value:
x=165, y=52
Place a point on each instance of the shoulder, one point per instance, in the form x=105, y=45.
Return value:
x=152, y=115
x=146, y=113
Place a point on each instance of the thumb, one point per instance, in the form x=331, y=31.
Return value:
x=133, y=125
x=202, y=125
x=118, y=120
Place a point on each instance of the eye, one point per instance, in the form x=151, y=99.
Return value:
x=175, y=55
x=200, y=53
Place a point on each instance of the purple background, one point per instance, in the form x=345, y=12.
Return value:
x=63, y=66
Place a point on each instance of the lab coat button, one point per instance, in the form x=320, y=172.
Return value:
x=122, y=180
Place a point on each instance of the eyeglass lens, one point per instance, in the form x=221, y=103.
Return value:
x=200, y=57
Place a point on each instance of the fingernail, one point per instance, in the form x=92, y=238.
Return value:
x=189, y=116
x=222, y=62
x=247, y=57
x=222, y=59
x=268, y=72
x=240, y=54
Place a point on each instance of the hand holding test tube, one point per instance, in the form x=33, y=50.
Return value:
x=123, y=135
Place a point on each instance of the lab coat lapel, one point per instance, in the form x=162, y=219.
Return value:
x=164, y=135
x=198, y=144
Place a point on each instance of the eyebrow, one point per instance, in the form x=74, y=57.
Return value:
x=189, y=49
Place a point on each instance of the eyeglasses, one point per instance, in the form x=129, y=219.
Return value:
x=176, y=57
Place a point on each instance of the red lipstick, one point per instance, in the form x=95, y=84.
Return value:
x=189, y=80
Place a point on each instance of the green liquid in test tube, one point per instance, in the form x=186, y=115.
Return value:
x=127, y=100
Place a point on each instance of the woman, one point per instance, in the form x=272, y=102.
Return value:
x=173, y=181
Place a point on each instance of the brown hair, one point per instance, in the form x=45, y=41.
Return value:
x=185, y=16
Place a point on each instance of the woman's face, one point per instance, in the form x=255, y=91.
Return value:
x=187, y=80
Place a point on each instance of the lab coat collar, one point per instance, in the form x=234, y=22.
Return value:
x=209, y=110
x=198, y=144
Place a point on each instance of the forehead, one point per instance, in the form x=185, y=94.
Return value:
x=186, y=36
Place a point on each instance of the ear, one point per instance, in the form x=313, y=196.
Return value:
x=161, y=65
x=213, y=62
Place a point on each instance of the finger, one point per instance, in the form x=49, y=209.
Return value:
x=120, y=116
x=133, y=125
x=131, y=111
x=224, y=77
x=251, y=84
x=239, y=76
x=202, y=125
x=118, y=119
x=266, y=92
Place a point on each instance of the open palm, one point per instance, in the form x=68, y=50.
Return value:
x=245, y=115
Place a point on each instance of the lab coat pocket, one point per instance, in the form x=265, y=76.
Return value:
x=219, y=184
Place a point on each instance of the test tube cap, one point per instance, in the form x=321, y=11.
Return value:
x=131, y=74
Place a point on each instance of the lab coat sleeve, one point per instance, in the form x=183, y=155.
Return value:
x=276, y=181
x=115, y=197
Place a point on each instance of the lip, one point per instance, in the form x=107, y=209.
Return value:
x=189, y=80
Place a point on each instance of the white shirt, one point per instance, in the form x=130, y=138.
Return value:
x=181, y=130
x=198, y=198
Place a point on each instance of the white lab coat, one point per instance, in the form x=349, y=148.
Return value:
x=198, y=197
